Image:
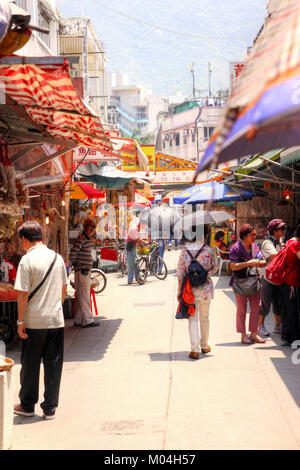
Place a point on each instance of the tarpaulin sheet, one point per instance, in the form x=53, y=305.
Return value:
x=50, y=99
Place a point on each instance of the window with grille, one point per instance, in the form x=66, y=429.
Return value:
x=208, y=132
x=44, y=21
x=21, y=4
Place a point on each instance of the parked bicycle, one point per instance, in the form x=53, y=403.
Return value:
x=98, y=280
x=149, y=261
x=122, y=259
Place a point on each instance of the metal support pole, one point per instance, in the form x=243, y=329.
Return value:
x=85, y=63
x=209, y=79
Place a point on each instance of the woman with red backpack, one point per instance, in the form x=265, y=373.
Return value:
x=203, y=294
x=290, y=291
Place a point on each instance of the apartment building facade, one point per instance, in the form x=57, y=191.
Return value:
x=77, y=38
x=186, y=130
x=133, y=107
x=44, y=14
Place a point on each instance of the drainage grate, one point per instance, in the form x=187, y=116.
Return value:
x=113, y=426
x=134, y=426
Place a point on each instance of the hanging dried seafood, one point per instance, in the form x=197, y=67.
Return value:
x=13, y=194
x=22, y=193
x=3, y=175
x=7, y=225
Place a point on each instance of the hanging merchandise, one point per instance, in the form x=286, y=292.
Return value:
x=22, y=193
x=13, y=193
x=8, y=200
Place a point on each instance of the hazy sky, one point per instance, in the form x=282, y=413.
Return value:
x=215, y=31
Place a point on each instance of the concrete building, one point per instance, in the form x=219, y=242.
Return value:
x=78, y=38
x=273, y=5
x=186, y=130
x=44, y=14
x=134, y=106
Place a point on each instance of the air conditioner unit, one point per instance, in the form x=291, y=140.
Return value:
x=166, y=137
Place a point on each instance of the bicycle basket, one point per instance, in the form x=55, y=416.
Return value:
x=143, y=250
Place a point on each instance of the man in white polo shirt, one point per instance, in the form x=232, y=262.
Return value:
x=42, y=285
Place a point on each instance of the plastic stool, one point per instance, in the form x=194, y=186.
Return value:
x=93, y=304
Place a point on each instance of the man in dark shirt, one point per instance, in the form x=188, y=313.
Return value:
x=82, y=260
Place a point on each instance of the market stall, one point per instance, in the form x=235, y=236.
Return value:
x=114, y=217
x=42, y=119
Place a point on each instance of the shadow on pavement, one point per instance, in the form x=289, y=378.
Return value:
x=89, y=344
x=21, y=420
x=175, y=356
x=287, y=367
x=81, y=344
x=222, y=282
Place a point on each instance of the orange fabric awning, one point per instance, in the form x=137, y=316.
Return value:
x=84, y=191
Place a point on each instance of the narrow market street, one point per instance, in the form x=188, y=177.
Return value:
x=130, y=384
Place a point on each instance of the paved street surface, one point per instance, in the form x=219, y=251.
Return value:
x=129, y=384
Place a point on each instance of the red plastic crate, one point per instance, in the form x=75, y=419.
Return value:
x=109, y=254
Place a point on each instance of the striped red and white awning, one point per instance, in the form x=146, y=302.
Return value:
x=48, y=96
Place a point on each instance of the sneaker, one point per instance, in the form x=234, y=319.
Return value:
x=18, y=410
x=262, y=331
x=277, y=329
x=49, y=416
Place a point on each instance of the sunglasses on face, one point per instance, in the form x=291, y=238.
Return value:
x=91, y=226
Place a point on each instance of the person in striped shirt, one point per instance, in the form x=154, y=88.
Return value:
x=82, y=261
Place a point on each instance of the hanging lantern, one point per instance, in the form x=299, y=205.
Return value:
x=287, y=194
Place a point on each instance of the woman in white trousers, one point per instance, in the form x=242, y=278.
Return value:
x=199, y=321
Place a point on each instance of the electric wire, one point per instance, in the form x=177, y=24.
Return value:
x=168, y=30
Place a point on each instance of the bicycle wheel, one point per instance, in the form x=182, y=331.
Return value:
x=123, y=263
x=98, y=280
x=124, y=268
x=71, y=279
x=141, y=270
x=158, y=268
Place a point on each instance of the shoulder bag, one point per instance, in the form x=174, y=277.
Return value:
x=247, y=285
x=44, y=279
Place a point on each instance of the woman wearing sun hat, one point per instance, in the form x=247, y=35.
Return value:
x=270, y=294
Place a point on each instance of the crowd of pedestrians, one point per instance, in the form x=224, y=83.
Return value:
x=250, y=284
x=263, y=276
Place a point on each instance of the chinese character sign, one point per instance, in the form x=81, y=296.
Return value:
x=236, y=68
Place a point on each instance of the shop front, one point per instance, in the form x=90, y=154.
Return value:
x=42, y=119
